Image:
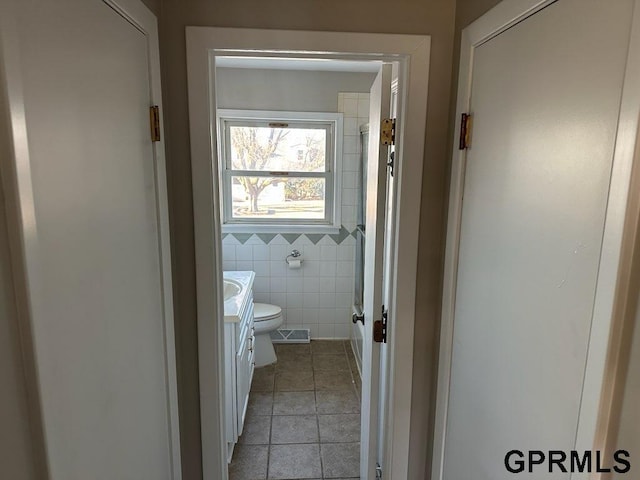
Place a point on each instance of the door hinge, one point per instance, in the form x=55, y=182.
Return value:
x=154, y=121
x=378, y=471
x=390, y=163
x=388, y=131
x=465, y=131
x=380, y=328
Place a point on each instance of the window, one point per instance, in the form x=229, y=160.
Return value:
x=278, y=171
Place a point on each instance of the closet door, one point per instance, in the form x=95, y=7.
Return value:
x=545, y=100
x=93, y=200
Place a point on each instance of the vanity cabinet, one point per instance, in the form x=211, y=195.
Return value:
x=239, y=358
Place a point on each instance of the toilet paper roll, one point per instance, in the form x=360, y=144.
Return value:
x=294, y=263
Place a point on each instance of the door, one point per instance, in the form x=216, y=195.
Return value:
x=95, y=236
x=379, y=108
x=545, y=100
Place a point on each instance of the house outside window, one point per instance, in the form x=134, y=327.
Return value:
x=278, y=171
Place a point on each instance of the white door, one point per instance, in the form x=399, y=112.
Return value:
x=95, y=236
x=545, y=101
x=379, y=108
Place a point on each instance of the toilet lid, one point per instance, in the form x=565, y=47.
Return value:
x=265, y=311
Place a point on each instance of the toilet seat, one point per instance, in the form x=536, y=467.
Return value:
x=265, y=311
x=266, y=317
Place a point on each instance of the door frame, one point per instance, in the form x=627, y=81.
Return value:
x=203, y=44
x=619, y=230
x=17, y=185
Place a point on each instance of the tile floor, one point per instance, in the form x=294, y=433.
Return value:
x=303, y=420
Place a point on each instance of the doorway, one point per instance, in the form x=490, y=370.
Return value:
x=204, y=46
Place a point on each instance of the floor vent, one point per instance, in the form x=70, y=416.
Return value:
x=296, y=335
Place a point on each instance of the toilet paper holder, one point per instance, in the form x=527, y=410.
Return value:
x=293, y=254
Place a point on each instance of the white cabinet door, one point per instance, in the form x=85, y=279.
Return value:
x=545, y=101
x=94, y=230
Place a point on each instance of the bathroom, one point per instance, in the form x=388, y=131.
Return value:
x=301, y=418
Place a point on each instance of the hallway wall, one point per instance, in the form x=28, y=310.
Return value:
x=432, y=17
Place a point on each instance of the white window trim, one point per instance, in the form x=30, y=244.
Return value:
x=333, y=202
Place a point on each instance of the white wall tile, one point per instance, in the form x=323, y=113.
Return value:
x=244, y=265
x=277, y=252
x=345, y=269
x=311, y=284
x=229, y=253
x=326, y=300
x=326, y=285
x=310, y=315
x=260, y=297
x=294, y=300
x=328, y=253
x=341, y=330
x=311, y=268
x=278, y=268
x=294, y=285
x=346, y=252
x=279, y=299
x=351, y=144
x=314, y=330
x=349, y=179
x=343, y=300
x=327, y=269
x=277, y=284
x=350, y=162
x=349, y=196
x=344, y=285
x=228, y=265
x=261, y=252
x=261, y=268
x=326, y=315
x=311, y=252
x=244, y=252
x=350, y=107
x=295, y=272
x=351, y=126
x=310, y=300
x=294, y=316
x=363, y=107
x=326, y=331
x=261, y=284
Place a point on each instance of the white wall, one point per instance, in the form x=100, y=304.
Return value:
x=295, y=90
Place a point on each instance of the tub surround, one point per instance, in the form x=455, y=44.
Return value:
x=234, y=306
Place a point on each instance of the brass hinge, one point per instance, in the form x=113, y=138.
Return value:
x=380, y=328
x=465, y=131
x=154, y=121
x=388, y=131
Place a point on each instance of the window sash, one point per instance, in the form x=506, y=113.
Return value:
x=328, y=174
x=328, y=127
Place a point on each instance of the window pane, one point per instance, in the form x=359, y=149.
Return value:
x=276, y=198
x=278, y=149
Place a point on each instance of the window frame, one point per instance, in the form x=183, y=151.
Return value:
x=332, y=122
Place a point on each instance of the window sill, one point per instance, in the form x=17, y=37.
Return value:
x=256, y=228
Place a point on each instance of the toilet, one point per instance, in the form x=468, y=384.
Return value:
x=266, y=319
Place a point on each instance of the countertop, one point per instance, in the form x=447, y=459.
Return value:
x=234, y=307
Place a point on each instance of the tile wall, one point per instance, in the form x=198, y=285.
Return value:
x=319, y=295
